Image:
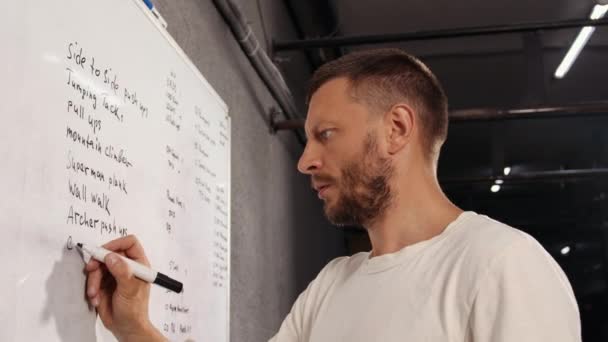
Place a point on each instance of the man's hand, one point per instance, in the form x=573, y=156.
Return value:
x=120, y=298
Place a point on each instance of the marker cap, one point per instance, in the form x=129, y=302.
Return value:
x=168, y=283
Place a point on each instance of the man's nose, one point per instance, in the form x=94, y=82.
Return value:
x=309, y=161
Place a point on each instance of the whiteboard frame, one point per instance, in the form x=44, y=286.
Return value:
x=224, y=106
x=179, y=50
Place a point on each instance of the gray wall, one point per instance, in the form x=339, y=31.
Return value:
x=280, y=239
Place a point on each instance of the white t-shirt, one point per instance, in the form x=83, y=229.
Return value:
x=479, y=280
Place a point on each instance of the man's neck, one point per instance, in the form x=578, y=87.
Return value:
x=419, y=212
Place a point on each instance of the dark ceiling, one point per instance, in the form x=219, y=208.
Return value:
x=558, y=187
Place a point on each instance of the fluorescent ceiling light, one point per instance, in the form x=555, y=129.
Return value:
x=575, y=50
x=598, y=11
x=507, y=170
x=495, y=188
x=583, y=37
x=499, y=181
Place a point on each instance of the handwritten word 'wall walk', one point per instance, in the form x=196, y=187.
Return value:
x=109, y=131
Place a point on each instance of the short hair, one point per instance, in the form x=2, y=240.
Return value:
x=382, y=78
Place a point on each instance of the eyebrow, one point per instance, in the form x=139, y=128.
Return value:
x=315, y=129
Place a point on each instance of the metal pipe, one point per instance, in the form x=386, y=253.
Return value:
x=434, y=34
x=488, y=114
x=288, y=124
x=262, y=64
x=589, y=109
x=559, y=175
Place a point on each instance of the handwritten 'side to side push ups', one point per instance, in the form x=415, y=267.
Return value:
x=376, y=122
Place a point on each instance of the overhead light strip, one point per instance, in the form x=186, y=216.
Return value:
x=583, y=37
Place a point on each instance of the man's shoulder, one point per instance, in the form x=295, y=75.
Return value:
x=485, y=235
x=504, y=261
x=344, y=264
x=481, y=240
x=481, y=245
x=335, y=272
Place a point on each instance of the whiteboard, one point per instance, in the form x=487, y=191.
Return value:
x=108, y=129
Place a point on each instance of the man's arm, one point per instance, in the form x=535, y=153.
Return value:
x=297, y=326
x=120, y=298
x=524, y=296
x=291, y=328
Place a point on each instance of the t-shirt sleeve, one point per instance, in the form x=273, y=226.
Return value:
x=293, y=325
x=525, y=297
x=298, y=323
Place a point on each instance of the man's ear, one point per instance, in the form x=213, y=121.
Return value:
x=399, y=122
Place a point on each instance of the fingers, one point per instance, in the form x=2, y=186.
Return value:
x=94, y=286
x=92, y=265
x=95, y=275
x=127, y=285
x=130, y=246
x=116, y=269
x=119, y=269
x=104, y=309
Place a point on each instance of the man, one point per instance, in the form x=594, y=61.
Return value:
x=376, y=123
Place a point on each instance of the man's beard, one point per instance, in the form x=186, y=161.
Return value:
x=364, y=191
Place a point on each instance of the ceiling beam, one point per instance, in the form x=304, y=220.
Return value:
x=434, y=34
x=491, y=114
x=558, y=175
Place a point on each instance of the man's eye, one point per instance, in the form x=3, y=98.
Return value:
x=326, y=134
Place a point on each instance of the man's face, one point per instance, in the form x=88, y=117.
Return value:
x=343, y=158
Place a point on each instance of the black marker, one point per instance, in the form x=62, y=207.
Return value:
x=140, y=271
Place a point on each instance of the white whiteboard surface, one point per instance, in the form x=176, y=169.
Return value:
x=96, y=100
